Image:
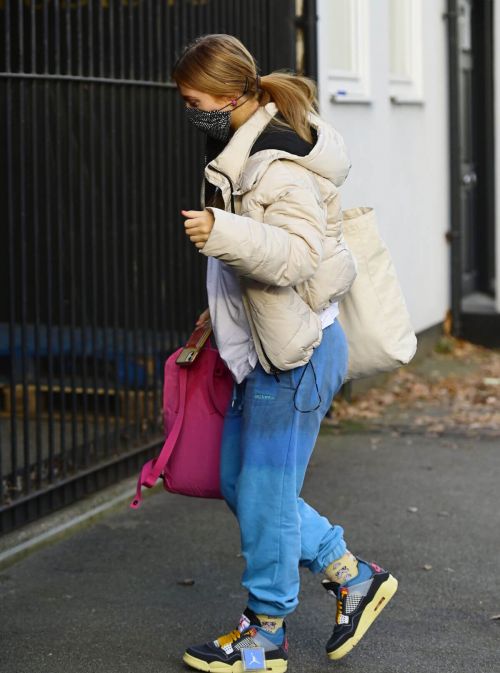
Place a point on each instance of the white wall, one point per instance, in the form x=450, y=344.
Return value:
x=496, y=61
x=399, y=159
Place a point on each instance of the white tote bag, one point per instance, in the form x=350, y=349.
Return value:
x=373, y=313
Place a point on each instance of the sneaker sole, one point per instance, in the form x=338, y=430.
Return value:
x=370, y=613
x=274, y=665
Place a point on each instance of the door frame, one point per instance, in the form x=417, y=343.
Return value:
x=482, y=26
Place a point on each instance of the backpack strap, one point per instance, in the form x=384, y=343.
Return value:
x=153, y=468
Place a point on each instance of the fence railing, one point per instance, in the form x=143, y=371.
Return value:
x=99, y=283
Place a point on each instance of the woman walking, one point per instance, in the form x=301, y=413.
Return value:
x=277, y=268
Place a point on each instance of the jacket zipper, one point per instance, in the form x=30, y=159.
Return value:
x=230, y=187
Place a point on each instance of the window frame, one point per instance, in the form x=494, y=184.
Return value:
x=353, y=86
x=409, y=90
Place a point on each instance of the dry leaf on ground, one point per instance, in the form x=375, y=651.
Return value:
x=454, y=391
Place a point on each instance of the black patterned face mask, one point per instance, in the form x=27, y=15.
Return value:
x=215, y=123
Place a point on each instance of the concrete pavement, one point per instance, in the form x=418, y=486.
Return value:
x=112, y=597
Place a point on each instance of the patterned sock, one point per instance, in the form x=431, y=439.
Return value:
x=343, y=569
x=364, y=573
x=273, y=626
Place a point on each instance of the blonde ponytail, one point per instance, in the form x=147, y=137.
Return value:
x=295, y=96
x=221, y=65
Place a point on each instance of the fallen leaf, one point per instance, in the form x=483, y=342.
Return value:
x=442, y=397
x=186, y=583
x=427, y=566
x=413, y=509
x=437, y=427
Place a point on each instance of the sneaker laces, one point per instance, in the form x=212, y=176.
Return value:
x=247, y=619
x=228, y=638
x=343, y=592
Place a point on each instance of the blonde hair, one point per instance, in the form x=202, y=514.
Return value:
x=221, y=65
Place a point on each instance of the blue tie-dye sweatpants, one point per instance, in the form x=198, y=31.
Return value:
x=266, y=446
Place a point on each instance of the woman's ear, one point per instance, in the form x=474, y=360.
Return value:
x=233, y=100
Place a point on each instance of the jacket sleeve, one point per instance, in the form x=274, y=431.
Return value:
x=286, y=247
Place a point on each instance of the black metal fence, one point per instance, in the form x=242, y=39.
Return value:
x=98, y=283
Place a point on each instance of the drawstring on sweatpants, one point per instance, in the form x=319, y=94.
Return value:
x=238, y=392
x=306, y=411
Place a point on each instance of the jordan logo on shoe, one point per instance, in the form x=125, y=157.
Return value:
x=253, y=659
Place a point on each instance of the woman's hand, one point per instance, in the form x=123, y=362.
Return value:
x=204, y=317
x=198, y=225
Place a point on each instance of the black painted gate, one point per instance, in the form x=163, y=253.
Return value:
x=98, y=283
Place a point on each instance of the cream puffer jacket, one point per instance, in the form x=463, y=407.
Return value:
x=281, y=232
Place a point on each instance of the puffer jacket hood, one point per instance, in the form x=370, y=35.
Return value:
x=327, y=158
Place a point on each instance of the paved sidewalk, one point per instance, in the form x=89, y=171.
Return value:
x=110, y=597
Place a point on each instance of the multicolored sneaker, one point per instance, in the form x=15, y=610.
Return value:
x=226, y=654
x=358, y=605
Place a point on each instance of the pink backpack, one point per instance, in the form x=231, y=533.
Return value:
x=195, y=399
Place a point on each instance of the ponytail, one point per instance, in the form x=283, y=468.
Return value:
x=295, y=97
